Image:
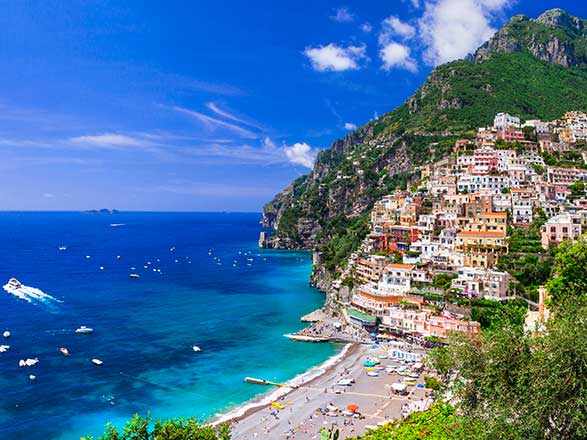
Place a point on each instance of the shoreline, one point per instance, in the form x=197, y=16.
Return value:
x=262, y=400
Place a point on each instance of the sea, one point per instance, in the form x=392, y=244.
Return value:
x=203, y=282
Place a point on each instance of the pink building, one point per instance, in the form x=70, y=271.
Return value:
x=559, y=229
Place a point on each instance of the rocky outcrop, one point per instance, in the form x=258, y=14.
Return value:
x=555, y=37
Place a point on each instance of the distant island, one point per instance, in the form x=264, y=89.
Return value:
x=101, y=211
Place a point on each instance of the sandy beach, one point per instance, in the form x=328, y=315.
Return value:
x=299, y=418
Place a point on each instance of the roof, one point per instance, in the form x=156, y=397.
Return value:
x=400, y=266
x=354, y=313
x=494, y=214
x=482, y=234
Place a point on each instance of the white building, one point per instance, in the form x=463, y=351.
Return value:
x=488, y=182
x=539, y=126
x=482, y=283
x=503, y=121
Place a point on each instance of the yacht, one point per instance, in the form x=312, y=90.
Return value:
x=62, y=248
x=84, y=329
x=97, y=362
x=196, y=348
x=134, y=275
x=6, y=334
x=14, y=283
x=64, y=351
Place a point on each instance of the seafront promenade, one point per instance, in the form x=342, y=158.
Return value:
x=321, y=403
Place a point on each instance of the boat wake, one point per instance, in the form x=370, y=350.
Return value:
x=31, y=295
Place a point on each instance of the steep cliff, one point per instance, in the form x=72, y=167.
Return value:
x=532, y=68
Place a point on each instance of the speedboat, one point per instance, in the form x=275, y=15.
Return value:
x=97, y=362
x=62, y=248
x=14, y=283
x=373, y=373
x=196, y=348
x=84, y=329
x=134, y=275
x=64, y=351
x=6, y=334
x=4, y=348
x=32, y=377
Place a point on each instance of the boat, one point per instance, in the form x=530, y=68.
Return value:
x=373, y=373
x=64, y=351
x=134, y=275
x=4, y=348
x=14, y=283
x=6, y=334
x=32, y=377
x=97, y=362
x=196, y=348
x=62, y=248
x=84, y=329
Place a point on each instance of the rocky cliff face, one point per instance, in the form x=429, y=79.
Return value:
x=555, y=37
x=521, y=70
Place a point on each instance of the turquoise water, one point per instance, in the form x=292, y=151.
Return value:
x=144, y=330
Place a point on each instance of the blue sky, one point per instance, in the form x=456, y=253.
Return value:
x=184, y=105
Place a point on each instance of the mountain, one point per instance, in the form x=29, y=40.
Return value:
x=535, y=68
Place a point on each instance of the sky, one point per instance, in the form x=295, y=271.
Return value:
x=208, y=106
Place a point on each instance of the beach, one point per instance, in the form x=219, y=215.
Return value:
x=299, y=418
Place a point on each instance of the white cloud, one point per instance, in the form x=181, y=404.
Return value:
x=398, y=56
x=342, y=15
x=109, y=140
x=451, y=29
x=350, y=126
x=366, y=27
x=335, y=58
x=415, y=3
x=301, y=154
x=392, y=26
x=48, y=195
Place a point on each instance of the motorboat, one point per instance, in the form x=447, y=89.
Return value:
x=64, y=351
x=134, y=275
x=4, y=348
x=84, y=329
x=32, y=377
x=62, y=248
x=196, y=348
x=97, y=362
x=373, y=373
x=6, y=334
x=14, y=283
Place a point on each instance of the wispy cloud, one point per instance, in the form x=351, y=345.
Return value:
x=335, y=58
x=216, y=89
x=214, y=124
x=226, y=114
x=342, y=15
x=350, y=126
x=110, y=140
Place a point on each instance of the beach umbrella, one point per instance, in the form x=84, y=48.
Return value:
x=353, y=408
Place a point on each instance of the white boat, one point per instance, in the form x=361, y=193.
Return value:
x=372, y=373
x=62, y=248
x=22, y=363
x=84, y=329
x=134, y=275
x=4, y=348
x=14, y=283
x=32, y=377
x=64, y=351
x=196, y=348
x=97, y=361
x=6, y=334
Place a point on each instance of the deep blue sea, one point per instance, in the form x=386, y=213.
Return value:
x=203, y=281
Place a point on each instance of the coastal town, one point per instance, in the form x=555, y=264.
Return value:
x=433, y=250
x=448, y=233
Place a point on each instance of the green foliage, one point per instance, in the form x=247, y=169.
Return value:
x=139, y=428
x=528, y=385
x=347, y=236
x=443, y=280
x=432, y=383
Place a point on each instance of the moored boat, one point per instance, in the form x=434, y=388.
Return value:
x=6, y=334
x=134, y=275
x=97, y=362
x=64, y=351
